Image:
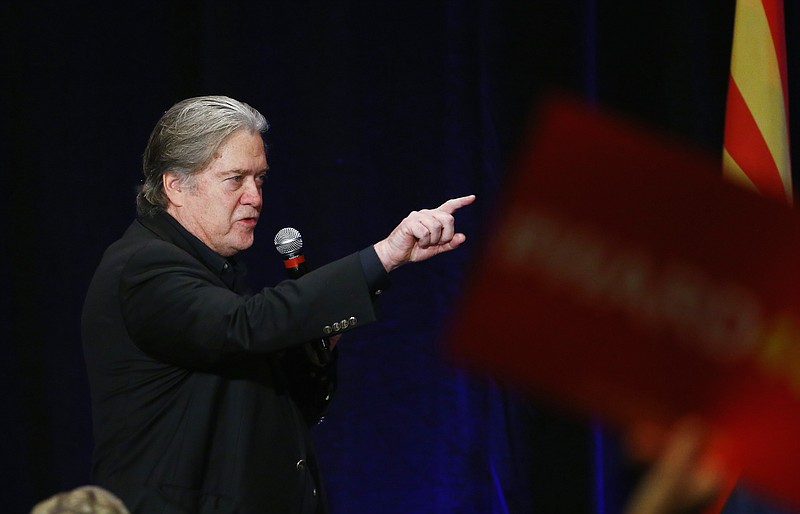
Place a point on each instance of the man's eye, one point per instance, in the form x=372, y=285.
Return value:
x=260, y=179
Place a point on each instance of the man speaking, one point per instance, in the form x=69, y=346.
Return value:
x=202, y=394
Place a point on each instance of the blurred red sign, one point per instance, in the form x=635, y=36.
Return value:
x=626, y=279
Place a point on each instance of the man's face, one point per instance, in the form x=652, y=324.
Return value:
x=223, y=206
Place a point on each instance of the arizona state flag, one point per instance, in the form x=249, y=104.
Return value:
x=756, y=152
x=756, y=146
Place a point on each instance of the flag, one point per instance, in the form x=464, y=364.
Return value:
x=756, y=145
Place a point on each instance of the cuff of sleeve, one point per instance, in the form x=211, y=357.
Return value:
x=374, y=272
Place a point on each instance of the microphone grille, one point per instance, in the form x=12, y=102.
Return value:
x=288, y=241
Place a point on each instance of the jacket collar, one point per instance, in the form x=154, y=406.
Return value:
x=163, y=225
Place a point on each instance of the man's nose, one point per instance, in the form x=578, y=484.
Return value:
x=252, y=193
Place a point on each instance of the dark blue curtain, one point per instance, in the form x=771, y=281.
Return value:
x=377, y=108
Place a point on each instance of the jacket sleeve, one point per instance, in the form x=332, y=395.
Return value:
x=177, y=310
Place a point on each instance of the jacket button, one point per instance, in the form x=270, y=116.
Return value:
x=343, y=324
x=301, y=465
x=327, y=329
x=336, y=327
x=353, y=321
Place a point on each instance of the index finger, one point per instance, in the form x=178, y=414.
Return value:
x=454, y=204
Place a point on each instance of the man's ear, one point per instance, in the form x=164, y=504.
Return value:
x=174, y=187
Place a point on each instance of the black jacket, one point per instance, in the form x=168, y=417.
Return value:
x=194, y=397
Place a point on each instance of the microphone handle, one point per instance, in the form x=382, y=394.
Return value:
x=321, y=346
x=297, y=270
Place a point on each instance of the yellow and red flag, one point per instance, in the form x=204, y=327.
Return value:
x=756, y=149
x=756, y=152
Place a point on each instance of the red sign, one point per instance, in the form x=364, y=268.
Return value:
x=626, y=279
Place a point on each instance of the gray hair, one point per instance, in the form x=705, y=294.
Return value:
x=185, y=139
x=88, y=499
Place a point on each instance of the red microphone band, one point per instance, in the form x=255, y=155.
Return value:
x=294, y=262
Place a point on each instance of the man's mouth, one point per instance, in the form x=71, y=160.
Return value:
x=250, y=222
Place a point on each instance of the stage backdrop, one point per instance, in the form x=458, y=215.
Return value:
x=377, y=108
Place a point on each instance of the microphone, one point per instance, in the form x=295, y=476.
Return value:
x=289, y=243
